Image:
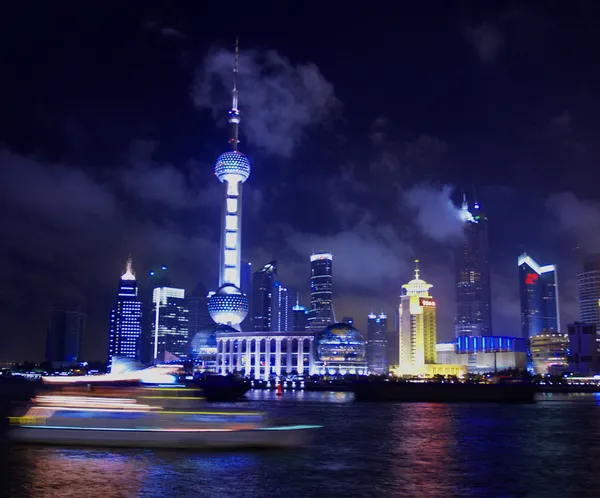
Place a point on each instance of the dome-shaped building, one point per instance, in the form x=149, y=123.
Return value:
x=203, y=346
x=341, y=349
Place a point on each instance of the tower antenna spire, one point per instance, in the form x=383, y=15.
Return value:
x=234, y=112
x=417, y=269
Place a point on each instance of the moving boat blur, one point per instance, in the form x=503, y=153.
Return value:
x=147, y=417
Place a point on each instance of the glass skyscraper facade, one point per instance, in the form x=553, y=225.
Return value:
x=539, y=297
x=64, y=335
x=377, y=343
x=321, y=291
x=126, y=319
x=589, y=290
x=281, y=310
x=473, y=291
x=263, y=281
x=170, y=327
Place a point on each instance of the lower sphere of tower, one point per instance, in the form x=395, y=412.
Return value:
x=228, y=305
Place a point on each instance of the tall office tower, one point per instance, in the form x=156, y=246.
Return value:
x=126, y=319
x=157, y=277
x=64, y=335
x=377, y=343
x=281, y=310
x=246, y=288
x=198, y=317
x=262, y=296
x=473, y=292
x=299, y=316
x=589, y=290
x=584, y=358
x=417, y=339
x=229, y=305
x=170, y=326
x=539, y=297
x=321, y=291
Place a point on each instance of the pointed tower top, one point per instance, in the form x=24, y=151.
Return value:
x=417, y=269
x=234, y=112
x=128, y=275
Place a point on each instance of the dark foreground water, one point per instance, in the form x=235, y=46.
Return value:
x=551, y=448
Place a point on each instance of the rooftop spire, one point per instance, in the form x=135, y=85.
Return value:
x=234, y=113
x=417, y=269
x=128, y=275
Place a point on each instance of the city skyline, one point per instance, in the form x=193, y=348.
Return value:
x=369, y=179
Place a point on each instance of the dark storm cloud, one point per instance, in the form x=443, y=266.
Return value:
x=69, y=232
x=279, y=101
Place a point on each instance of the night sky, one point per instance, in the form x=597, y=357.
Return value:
x=364, y=127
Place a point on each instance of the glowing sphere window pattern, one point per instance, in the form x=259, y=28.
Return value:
x=232, y=163
x=340, y=342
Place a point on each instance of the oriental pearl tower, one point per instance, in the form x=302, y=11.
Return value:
x=229, y=305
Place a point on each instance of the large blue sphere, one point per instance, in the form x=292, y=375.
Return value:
x=204, y=342
x=340, y=342
x=232, y=164
x=228, y=306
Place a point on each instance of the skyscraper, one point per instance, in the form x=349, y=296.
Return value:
x=539, y=297
x=281, y=314
x=229, y=305
x=246, y=288
x=473, y=292
x=64, y=335
x=299, y=316
x=589, y=290
x=126, y=319
x=170, y=327
x=376, y=343
x=262, y=296
x=321, y=291
x=417, y=327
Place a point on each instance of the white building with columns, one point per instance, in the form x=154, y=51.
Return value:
x=265, y=354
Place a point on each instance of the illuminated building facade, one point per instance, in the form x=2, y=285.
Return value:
x=170, y=326
x=281, y=316
x=584, y=346
x=549, y=352
x=299, y=316
x=376, y=343
x=265, y=354
x=473, y=291
x=321, y=291
x=126, y=319
x=229, y=305
x=539, y=297
x=64, y=335
x=589, y=290
x=417, y=336
x=263, y=281
x=246, y=288
x=341, y=349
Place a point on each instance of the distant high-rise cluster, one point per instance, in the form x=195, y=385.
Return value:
x=473, y=291
x=377, y=343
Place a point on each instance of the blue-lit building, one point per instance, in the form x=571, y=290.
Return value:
x=341, y=350
x=539, y=297
x=299, y=316
x=170, y=327
x=489, y=344
x=321, y=291
x=281, y=310
x=473, y=290
x=377, y=343
x=126, y=319
x=263, y=281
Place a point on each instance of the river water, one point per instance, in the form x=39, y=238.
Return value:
x=551, y=448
